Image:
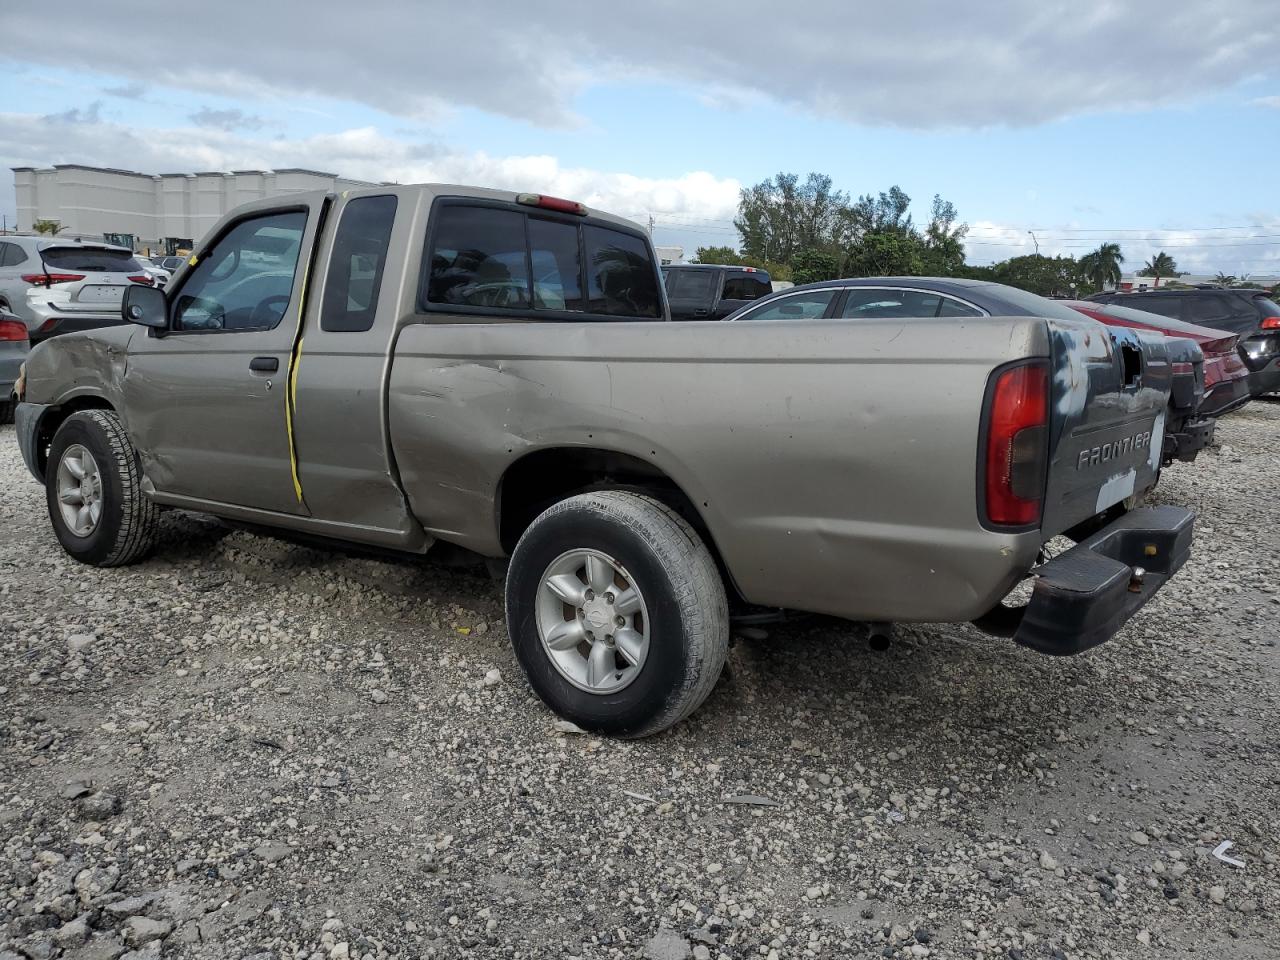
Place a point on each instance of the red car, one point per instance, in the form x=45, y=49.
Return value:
x=1226, y=378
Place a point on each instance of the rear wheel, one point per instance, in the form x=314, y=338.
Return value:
x=617, y=613
x=93, y=490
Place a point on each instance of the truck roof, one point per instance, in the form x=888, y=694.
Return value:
x=461, y=190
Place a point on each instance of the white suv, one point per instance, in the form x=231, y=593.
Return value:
x=57, y=286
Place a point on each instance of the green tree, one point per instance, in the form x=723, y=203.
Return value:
x=782, y=215
x=812, y=266
x=1161, y=265
x=887, y=253
x=944, y=240
x=1102, y=266
x=1047, y=276
x=732, y=258
x=1224, y=279
x=47, y=227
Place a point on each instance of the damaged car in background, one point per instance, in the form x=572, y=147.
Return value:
x=402, y=366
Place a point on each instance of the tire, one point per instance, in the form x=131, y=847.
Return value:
x=125, y=529
x=682, y=613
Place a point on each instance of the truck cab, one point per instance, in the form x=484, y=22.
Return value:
x=700, y=291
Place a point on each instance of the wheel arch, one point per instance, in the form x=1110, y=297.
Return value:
x=56, y=414
x=544, y=477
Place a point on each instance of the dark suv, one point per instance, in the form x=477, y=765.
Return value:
x=707, y=291
x=1250, y=314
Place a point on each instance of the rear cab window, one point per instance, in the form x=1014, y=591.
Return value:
x=354, y=278
x=746, y=286
x=497, y=259
x=89, y=260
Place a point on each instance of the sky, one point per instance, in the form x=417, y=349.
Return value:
x=1138, y=122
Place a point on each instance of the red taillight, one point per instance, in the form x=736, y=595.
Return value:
x=1183, y=369
x=1270, y=323
x=142, y=278
x=552, y=203
x=13, y=330
x=1017, y=439
x=49, y=279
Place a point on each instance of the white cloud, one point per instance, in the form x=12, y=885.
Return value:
x=1246, y=248
x=362, y=153
x=1272, y=102
x=915, y=63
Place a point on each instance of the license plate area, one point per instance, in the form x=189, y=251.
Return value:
x=101, y=293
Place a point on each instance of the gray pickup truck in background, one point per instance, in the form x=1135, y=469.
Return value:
x=402, y=365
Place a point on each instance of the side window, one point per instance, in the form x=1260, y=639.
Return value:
x=355, y=267
x=11, y=255
x=692, y=285
x=1165, y=306
x=874, y=304
x=622, y=280
x=1208, y=310
x=557, y=265
x=954, y=308
x=749, y=286
x=478, y=258
x=809, y=305
x=247, y=279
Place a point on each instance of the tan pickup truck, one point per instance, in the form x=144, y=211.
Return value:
x=403, y=365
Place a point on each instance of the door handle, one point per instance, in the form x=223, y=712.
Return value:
x=264, y=364
x=701, y=312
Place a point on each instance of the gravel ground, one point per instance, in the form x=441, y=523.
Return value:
x=244, y=748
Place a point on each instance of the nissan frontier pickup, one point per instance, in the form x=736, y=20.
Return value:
x=400, y=366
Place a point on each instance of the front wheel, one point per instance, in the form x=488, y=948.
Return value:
x=617, y=613
x=93, y=489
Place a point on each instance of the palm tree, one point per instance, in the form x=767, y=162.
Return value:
x=1224, y=279
x=1161, y=265
x=48, y=227
x=1102, y=266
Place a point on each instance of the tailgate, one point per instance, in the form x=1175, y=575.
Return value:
x=1108, y=399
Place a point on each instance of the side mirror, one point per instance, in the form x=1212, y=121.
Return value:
x=145, y=306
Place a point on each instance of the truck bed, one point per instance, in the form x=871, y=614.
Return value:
x=804, y=447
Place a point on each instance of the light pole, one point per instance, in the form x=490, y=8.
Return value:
x=1035, y=241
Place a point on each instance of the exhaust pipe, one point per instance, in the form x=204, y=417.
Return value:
x=879, y=635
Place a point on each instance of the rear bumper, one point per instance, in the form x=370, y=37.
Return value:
x=1082, y=597
x=10, y=367
x=1262, y=357
x=1225, y=396
x=1266, y=380
x=49, y=320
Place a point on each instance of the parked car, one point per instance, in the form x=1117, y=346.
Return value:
x=14, y=347
x=171, y=263
x=1250, y=314
x=495, y=371
x=159, y=276
x=699, y=291
x=881, y=298
x=57, y=286
x=1226, y=378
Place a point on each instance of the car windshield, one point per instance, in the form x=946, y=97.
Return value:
x=89, y=260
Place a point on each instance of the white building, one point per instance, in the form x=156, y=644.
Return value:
x=153, y=214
